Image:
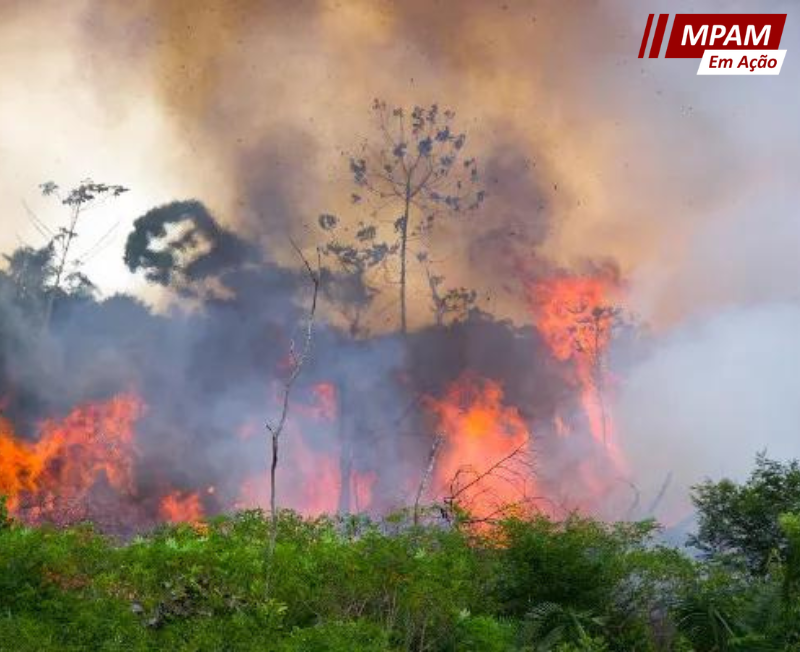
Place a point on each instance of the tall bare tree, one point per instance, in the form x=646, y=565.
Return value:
x=590, y=336
x=78, y=200
x=415, y=171
x=298, y=358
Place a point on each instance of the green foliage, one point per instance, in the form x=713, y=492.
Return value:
x=747, y=595
x=485, y=634
x=554, y=627
x=334, y=584
x=706, y=616
x=578, y=563
x=5, y=519
x=741, y=521
x=790, y=526
x=587, y=644
x=342, y=584
x=356, y=636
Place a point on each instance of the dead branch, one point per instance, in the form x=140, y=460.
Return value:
x=637, y=497
x=489, y=471
x=423, y=483
x=651, y=510
x=297, y=361
x=499, y=470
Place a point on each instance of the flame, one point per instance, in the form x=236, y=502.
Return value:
x=325, y=401
x=181, y=507
x=576, y=316
x=309, y=478
x=316, y=480
x=320, y=404
x=363, y=483
x=560, y=304
x=53, y=478
x=481, y=463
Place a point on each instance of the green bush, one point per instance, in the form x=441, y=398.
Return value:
x=485, y=634
x=357, y=636
x=356, y=584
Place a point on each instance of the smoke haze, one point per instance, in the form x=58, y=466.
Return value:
x=590, y=156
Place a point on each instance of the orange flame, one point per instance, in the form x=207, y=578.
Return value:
x=181, y=507
x=481, y=462
x=309, y=478
x=576, y=315
x=316, y=478
x=52, y=478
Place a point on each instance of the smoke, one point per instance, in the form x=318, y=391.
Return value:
x=710, y=396
x=588, y=154
x=713, y=386
x=209, y=378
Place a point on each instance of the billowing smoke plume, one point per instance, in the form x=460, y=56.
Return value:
x=208, y=379
x=588, y=154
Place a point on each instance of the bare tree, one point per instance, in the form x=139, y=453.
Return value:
x=298, y=359
x=651, y=510
x=590, y=336
x=416, y=170
x=78, y=200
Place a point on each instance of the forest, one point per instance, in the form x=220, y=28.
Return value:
x=341, y=450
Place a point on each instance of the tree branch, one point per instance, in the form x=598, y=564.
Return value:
x=298, y=361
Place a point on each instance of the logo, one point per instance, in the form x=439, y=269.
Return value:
x=726, y=44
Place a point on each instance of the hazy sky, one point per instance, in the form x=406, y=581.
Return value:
x=683, y=180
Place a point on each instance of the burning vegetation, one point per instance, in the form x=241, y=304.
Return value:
x=126, y=417
x=80, y=468
x=335, y=373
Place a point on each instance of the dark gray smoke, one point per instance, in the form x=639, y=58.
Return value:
x=209, y=372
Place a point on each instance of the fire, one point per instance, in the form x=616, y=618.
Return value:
x=181, y=507
x=561, y=306
x=363, y=484
x=309, y=478
x=315, y=484
x=481, y=463
x=54, y=478
x=576, y=316
x=325, y=401
x=573, y=316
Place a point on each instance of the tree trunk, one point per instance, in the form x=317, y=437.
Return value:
x=403, y=258
x=426, y=476
x=345, y=457
x=599, y=382
x=273, y=510
x=48, y=313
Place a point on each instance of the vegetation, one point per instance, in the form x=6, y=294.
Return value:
x=355, y=584
x=422, y=580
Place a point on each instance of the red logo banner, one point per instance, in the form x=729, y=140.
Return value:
x=693, y=34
